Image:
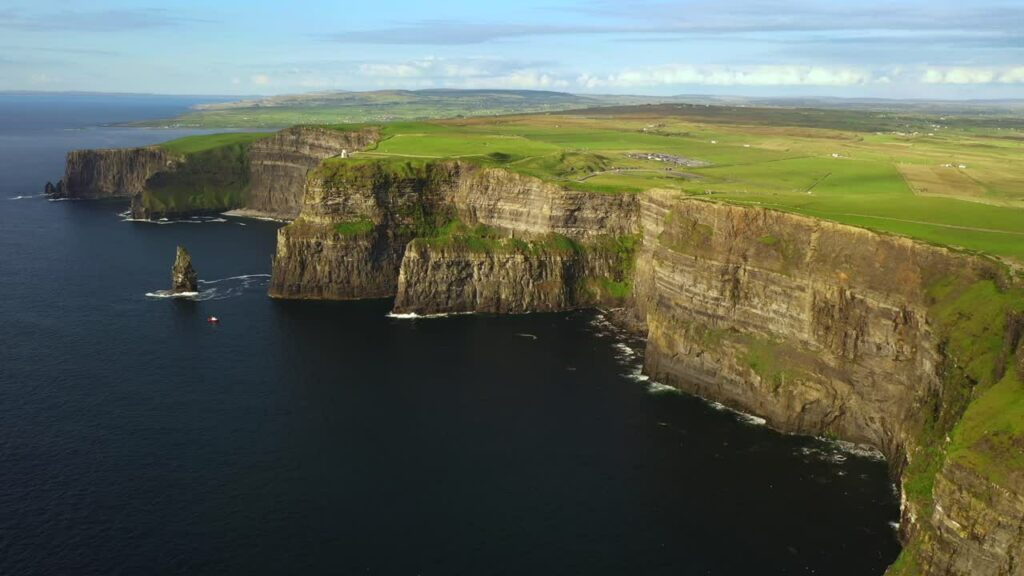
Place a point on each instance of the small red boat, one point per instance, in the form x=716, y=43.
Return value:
x=213, y=320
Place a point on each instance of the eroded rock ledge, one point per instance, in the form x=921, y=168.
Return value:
x=818, y=327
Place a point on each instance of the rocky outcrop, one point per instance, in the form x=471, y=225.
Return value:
x=452, y=236
x=317, y=262
x=278, y=165
x=109, y=173
x=183, y=276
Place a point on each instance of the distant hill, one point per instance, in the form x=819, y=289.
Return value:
x=388, y=106
x=341, y=107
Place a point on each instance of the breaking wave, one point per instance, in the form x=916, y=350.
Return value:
x=126, y=217
x=220, y=289
x=629, y=353
x=26, y=196
x=170, y=294
x=838, y=451
x=415, y=316
x=743, y=416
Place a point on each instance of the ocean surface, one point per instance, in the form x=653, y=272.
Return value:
x=328, y=438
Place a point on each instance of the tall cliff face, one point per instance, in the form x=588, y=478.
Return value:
x=264, y=178
x=113, y=173
x=278, y=165
x=828, y=329
x=452, y=236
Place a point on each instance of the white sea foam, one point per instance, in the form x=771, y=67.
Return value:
x=252, y=215
x=861, y=450
x=27, y=196
x=415, y=316
x=743, y=416
x=229, y=278
x=126, y=217
x=751, y=419
x=219, y=289
x=838, y=451
x=170, y=294
x=659, y=388
x=624, y=351
x=533, y=336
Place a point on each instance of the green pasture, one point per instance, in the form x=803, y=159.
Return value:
x=958, y=184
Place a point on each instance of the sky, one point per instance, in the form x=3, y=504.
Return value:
x=865, y=48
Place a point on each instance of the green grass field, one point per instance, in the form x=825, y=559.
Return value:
x=204, y=142
x=951, y=180
x=961, y=186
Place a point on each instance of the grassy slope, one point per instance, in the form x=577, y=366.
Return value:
x=203, y=142
x=213, y=175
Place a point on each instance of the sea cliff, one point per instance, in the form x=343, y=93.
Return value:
x=453, y=236
x=832, y=330
x=278, y=165
x=109, y=173
x=820, y=328
x=261, y=177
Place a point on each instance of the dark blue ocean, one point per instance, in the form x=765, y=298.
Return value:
x=328, y=438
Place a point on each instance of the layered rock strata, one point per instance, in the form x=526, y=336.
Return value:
x=109, y=173
x=278, y=165
x=828, y=329
x=373, y=230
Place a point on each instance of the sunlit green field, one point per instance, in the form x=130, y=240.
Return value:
x=960, y=186
x=957, y=182
x=204, y=142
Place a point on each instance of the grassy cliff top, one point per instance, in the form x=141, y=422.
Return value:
x=954, y=181
x=204, y=142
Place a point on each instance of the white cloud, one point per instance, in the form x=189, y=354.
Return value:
x=773, y=75
x=968, y=75
x=260, y=79
x=431, y=67
x=1013, y=76
x=524, y=80
x=462, y=73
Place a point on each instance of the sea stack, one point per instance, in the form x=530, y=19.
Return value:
x=183, y=275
